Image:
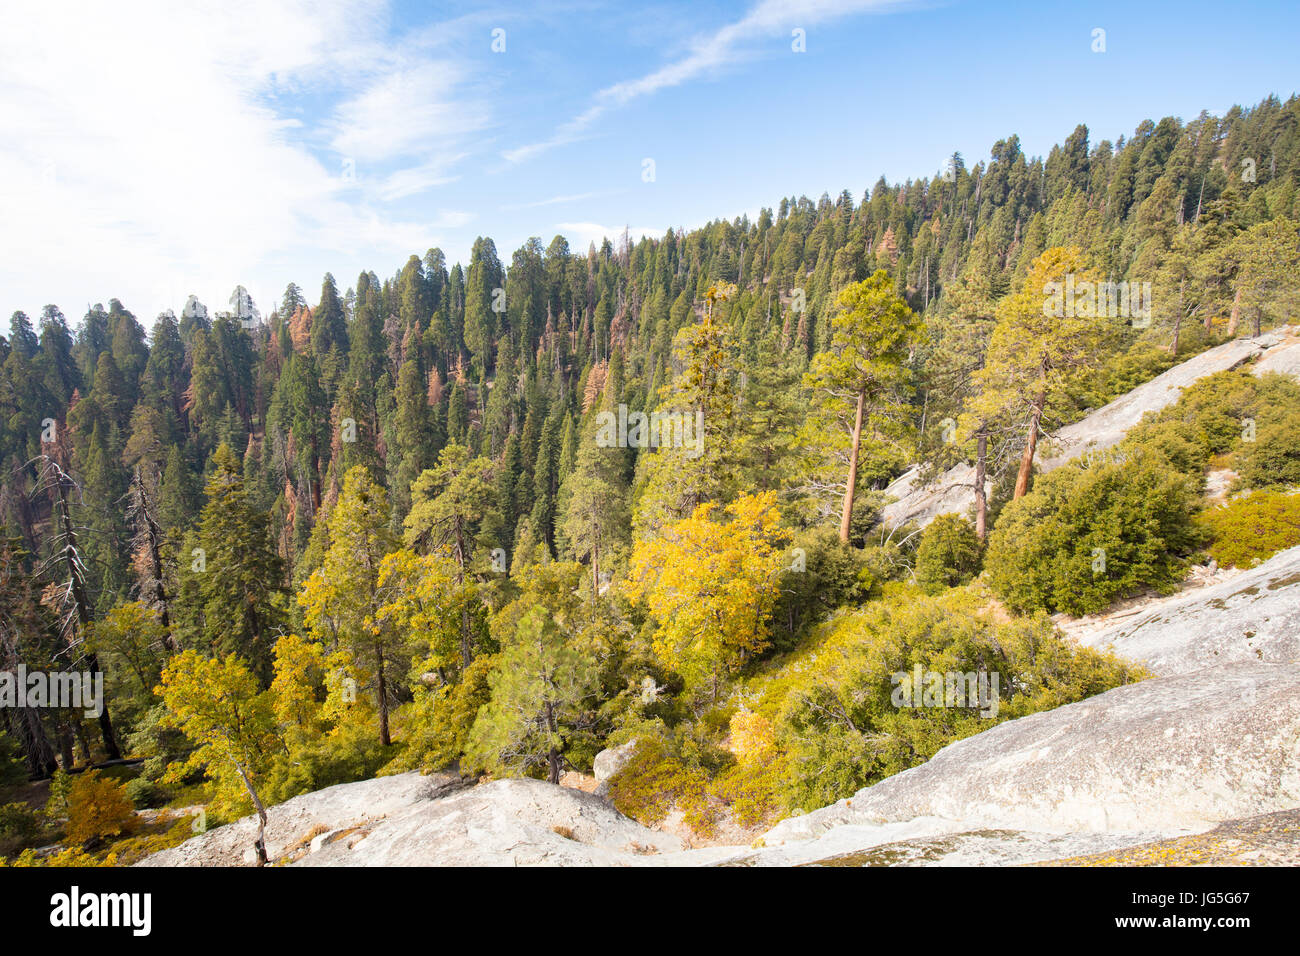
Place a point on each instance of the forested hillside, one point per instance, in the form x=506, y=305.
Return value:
x=420, y=522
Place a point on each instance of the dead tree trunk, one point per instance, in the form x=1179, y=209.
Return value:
x=142, y=512
x=77, y=590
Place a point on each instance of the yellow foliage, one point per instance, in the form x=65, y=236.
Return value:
x=752, y=736
x=299, y=670
x=216, y=704
x=711, y=585
x=97, y=808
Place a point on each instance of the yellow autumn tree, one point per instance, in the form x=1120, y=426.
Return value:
x=216, y=704
x=427, y=599
x=711, y=586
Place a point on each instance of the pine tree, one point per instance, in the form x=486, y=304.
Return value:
x=232, y=594
x=873, y=333
x=328, y=322
x=540, y=690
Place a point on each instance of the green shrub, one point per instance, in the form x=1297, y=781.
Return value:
x=655, y=780
x=1273, y=458
x=948, y=555
x=1088, y=534
x=1252, y=529
x=20, y=827
x=56, y=804
x=753, y=792
x=1212, y=414
x=437, y=723
x=162, y=747
x=837, y=723
x=145, y=793
x=1178, y=441
x=821, y=575
x=350, y=753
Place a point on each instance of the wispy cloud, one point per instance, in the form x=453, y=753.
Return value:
x=558, y=200
x=157, y=138
x=705, y=55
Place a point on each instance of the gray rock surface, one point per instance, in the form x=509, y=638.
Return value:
x=297, y=820
x=413, y=820
x=1253, y=616
x=1284, y=359
x=611, y=760
x=953, y=491
x=503, y=823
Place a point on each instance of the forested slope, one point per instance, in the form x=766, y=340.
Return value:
x=418, y=523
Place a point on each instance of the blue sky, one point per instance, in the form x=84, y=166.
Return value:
x=156, y=149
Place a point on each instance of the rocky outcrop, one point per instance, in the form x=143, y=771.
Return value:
x=1270, y=839
x=954, y=491
x=1252, y=616
x=295, y=822
x=412, y=820
x=609, y=762
x=503, y=823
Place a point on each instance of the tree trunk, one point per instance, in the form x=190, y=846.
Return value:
x=1031, y=446
x=1235, y=316
x=981, y=499
x=466, y=655
x=384, y=739
x=552, y=755
x=26, y=725
x=260, y=843
x=847, y=518
x=67, y=759
x=154, y=535
x=39, y=754
x=1178, y=316
x=82, y=742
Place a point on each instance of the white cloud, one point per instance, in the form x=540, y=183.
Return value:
x=154, y=148
x=406, y=112
x=706, y=54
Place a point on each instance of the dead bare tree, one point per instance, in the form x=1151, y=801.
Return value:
x=148, y=539
x=66, y=556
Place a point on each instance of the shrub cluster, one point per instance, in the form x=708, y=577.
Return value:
x=1090, y=533
x=1253, y=528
